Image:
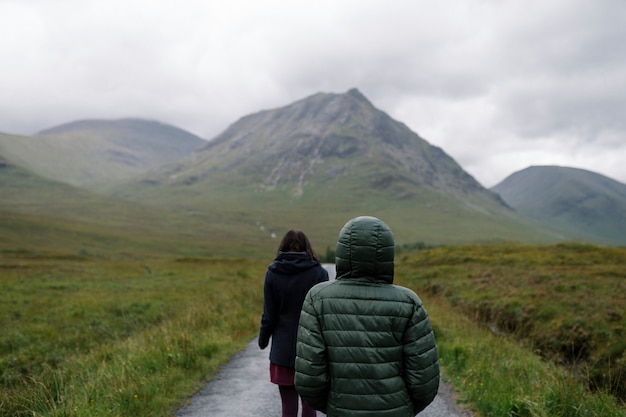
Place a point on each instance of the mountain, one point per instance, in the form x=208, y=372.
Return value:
x=92, y=152
x=317, y=162
x=327, y=138
x=312, y=164
x=574, y=200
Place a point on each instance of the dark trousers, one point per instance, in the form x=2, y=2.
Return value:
x=289, y=398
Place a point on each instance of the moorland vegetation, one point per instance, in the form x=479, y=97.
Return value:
x=562, y=304
x=94, y=336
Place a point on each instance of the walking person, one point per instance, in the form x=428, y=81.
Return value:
x=365, y=347
x=294, y=271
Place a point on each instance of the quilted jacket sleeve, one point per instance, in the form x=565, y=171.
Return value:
x=312, y=377
x=421, y=364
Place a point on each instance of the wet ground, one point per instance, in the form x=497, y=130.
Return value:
x=242, y=389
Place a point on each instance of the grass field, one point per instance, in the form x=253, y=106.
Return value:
x=90, y=337
x=563, y=303
x=87, y=336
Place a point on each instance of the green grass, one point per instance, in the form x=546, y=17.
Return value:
x=496, y=376
x=563, y=303
x=326, y=206
x=89, y=336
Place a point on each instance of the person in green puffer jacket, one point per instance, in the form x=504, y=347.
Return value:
x=365, y=347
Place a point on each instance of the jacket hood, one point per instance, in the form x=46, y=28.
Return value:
x=289, y=263
x=365, y=249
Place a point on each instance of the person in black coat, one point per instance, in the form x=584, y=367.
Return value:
x=295, y=270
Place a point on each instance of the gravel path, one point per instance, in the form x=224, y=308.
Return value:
x=242, y=389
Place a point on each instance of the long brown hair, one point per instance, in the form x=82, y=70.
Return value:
x=296, y=241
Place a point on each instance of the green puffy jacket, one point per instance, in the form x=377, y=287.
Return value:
x=365, y=347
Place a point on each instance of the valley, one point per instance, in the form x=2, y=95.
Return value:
x=132, y=255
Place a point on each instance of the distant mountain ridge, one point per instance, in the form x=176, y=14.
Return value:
x=311, y=164
x=575, y=200
x=322, y=159
x=90, y=152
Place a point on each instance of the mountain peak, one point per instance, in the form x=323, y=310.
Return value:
x=323, y=139
x=355, y=93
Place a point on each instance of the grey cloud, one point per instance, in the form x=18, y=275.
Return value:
x=485, y=80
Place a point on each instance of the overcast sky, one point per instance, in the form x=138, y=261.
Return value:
x=499, y=85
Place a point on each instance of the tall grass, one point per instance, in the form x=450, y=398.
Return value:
x=540, y=329
x=83, y=336
x=96, y=338
x=496, y=376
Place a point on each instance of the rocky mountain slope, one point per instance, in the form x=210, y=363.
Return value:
x=316, y=162
x=324, y=139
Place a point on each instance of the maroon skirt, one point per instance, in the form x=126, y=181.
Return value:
x=282, y=375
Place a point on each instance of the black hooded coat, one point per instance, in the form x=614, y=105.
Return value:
x=287, y=281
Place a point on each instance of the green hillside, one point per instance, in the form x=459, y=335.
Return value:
x=38, y=214
x=577, y=201
x=92, y=152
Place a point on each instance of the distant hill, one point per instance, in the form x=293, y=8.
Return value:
x=574, y=200
x=93, y=152
x=321, y=160
x=41, y=214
